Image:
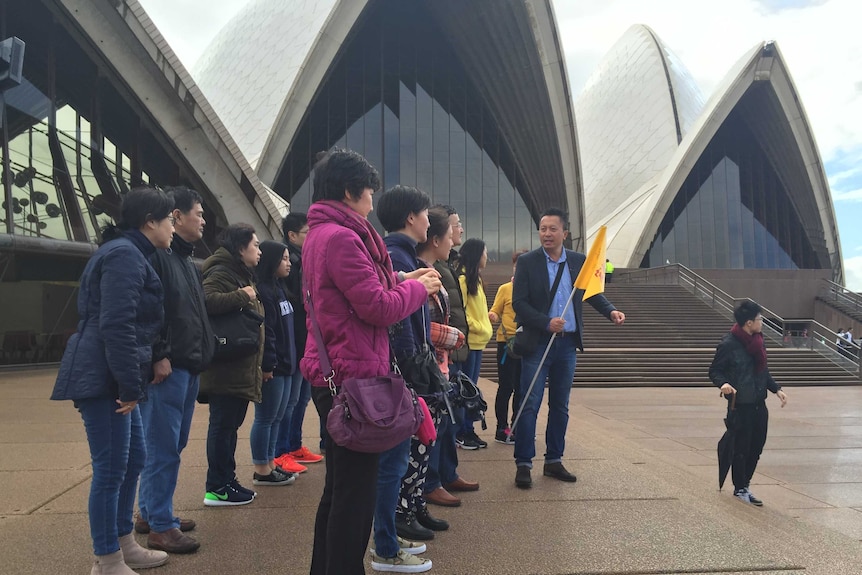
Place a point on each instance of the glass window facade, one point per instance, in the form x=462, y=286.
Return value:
x=732, y=212
x=399, y=96
x=72, y=144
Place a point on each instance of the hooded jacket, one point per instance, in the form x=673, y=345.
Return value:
x=186, y=338
x=279, y=352
x=224, y=276
x=120, y=305
x=734, y=365
x=355, y=295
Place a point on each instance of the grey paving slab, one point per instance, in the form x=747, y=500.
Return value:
x=645, y=502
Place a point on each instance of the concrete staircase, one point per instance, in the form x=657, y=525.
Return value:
x=668, y=340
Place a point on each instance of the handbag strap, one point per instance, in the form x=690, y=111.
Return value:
x=556, y=284
x=325, y=365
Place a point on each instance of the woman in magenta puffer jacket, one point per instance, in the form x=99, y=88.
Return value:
x=356, y=296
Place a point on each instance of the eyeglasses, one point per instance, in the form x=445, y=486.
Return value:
x=172, y=219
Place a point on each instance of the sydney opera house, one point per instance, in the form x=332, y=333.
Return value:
x=469, y=101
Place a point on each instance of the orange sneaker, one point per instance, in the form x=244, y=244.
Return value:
x=289, y=464
x=305, y=455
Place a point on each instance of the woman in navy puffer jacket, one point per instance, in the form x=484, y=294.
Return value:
x=106, y=365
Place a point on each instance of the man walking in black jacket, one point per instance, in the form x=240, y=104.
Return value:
x=184, y=349
x=739, y=367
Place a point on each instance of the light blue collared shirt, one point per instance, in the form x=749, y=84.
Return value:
x=559, y=299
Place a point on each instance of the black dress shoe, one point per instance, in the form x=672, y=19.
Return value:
x=408, y=528
x=522, y=477
x=557, y=471
x=425, y=519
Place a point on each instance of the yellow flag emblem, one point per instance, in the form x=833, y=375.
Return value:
x=591, y=278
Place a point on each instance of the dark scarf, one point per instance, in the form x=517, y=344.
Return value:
x=753, y=345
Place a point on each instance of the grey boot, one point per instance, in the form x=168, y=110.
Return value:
x=138, y=557
x=112, y=564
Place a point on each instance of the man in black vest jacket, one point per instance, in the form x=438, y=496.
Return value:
x=540, y=311
x=184, y=349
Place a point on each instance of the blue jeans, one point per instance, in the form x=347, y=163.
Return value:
x=471, y=370
x=275, y=394
x=118, y=453
x=390, y=470
x=443, y=457
x=288, y=434
x=167, y=418
x=559, y=370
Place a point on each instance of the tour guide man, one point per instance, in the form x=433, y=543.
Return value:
x=541, y=311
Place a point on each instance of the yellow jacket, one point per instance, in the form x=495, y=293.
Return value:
x=479, y=328
x=503, y=308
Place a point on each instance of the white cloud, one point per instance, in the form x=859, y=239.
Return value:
x=853, y=273
x=848, y=196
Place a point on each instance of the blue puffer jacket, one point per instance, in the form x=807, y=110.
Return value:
x=120, y=305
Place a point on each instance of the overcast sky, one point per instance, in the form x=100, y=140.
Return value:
x=820, y=40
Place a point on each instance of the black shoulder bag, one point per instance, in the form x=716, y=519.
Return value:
x=237, y=334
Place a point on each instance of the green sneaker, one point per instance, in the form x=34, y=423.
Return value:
x=227, y=496
x=404, y=562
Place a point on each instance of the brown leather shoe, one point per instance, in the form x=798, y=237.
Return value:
x=142, y=527
x=442, y=497
x=462, y=485
x=172, y=541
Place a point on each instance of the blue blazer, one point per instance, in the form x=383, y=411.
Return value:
x=121, y=308
x=531, y=294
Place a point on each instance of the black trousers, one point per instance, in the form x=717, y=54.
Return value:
x=346, y=509
x=509, y=378
x=752, y=421
x=226, y=416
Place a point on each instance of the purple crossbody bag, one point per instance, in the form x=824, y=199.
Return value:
x=370, y=414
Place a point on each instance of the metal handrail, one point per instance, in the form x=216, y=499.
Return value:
x=831, y=291
x=821, y=338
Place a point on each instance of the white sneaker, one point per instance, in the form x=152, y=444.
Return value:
x=412, y=547
x=404, y=562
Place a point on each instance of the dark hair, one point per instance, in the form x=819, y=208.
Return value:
x=397, y=203
x=236, y=237
x=271, y=254
x=470, y=256
x=517, y=254
x=439, y=223
x=139, y=206
x=293, y=222
x=564, y=217
x=339, y=170
x=747, y=310
x=185, y=198
x=450, y=211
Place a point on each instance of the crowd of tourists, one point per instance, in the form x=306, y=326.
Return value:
x=283, y=323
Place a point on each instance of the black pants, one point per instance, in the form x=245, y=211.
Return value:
x=752, y=420
x=226, y=416
x=346, y=509
x=509, y=377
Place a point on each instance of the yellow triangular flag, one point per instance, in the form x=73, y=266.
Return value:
x=591, y=278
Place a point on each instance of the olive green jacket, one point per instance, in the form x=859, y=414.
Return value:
x=457, y=314
x=224, y=276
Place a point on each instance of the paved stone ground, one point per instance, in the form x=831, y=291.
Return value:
x=646, y=501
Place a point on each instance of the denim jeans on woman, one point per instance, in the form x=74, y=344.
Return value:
x=167, y=418
x=287, y=436
x=118, y=454
x=390, y=470
x=268, y=415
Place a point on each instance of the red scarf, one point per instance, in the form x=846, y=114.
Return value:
x=753, y=345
